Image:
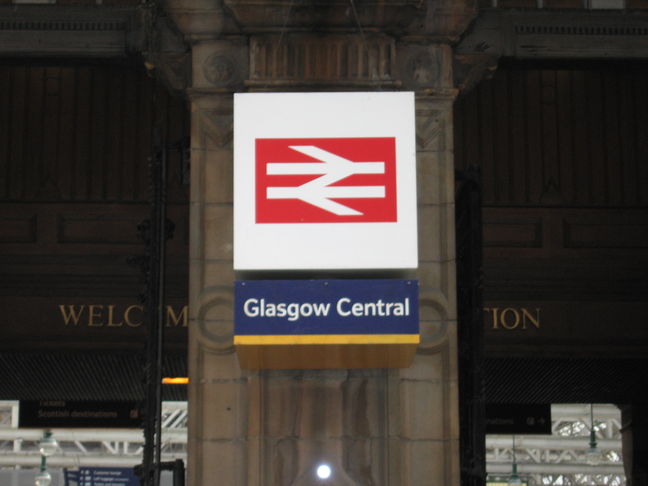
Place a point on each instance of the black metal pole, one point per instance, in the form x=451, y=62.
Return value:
x=178, y=473
x=155, y=266
x=470, y=332
x=155, y=299
x=161, y=215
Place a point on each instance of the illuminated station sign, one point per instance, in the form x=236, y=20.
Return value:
x=369, y=323
x=325, y=181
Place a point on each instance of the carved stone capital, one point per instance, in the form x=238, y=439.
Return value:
x=173, y=68
x=219, y=66
x=341, y=60
x=470, y=69
x=426, y=69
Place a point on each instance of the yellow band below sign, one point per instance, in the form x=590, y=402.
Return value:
x=257, y=340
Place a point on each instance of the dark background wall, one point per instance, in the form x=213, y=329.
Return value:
x=567, y=135
x=75, y=142
x=563, y=149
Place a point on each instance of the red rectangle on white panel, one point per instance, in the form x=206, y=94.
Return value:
x=324, y=181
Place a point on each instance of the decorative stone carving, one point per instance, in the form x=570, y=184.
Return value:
x=470, y=69
x=434, y=323
x=311, y=60
x=426, y=69
x=219, y=66
x=547, y=35
x=429, y=124
x=217, y=127
x=219, y=69
x=214, y=320
x=214, y=127
x=423, y=69
x=173, y=69
x=84, y=31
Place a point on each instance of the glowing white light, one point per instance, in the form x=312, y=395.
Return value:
x=43, y=478
x=48, y=444
x=324, y=471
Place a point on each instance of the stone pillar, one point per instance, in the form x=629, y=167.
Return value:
x=219, y=394
x=272, y=428
x=424, y=413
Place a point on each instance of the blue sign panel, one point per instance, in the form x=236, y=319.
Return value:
x=326, y=307
x=102, y=476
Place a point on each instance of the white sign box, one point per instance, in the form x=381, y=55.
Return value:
x=324, y=181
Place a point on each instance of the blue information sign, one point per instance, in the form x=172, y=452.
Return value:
x=308, y=324
x=326, y=307
x=102, y=476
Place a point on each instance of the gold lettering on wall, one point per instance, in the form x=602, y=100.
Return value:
x=95, y=312
x=113, y=315
x=172, y=320
x=512, y=318
x=71, y=313
x=111, y=323
x=129, y=319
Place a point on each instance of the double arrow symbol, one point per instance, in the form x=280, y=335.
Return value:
x=332, y=169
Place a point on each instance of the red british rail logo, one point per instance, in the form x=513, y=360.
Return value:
x=325, y=180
